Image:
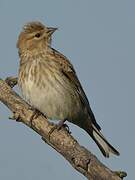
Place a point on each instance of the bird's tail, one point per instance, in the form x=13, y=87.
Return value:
x=105, y=147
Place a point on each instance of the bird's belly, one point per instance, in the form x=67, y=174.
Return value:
x=55, y=102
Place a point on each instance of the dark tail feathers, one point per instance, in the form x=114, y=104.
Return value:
x=105, y=147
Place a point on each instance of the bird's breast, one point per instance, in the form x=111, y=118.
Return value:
x=51, y=93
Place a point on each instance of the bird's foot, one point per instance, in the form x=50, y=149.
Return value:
x=61, y=124
x=121, y=174
x=58, y=127
x=35, y=114
x=16, y=116
x=11, y=81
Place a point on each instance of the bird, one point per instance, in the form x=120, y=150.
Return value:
x=49, y=83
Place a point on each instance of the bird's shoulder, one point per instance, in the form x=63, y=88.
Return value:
x=65, y=67
x=62, y=61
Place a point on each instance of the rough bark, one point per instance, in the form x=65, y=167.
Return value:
x=61, y=140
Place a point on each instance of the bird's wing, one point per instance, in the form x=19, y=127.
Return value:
x=68, y=70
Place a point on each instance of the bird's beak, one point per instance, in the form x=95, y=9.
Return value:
x=51, y=30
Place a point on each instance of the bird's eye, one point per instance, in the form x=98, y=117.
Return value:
x=37, y=35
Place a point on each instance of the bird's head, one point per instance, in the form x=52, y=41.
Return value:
x=35, y=35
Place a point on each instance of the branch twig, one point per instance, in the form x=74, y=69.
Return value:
x=61, y=140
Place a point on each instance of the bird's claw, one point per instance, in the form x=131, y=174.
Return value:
x=58, y=127
x=11, y=81
x=121, y=174
x=35, y=115
x=16, y=117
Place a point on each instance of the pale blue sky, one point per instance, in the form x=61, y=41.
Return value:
x=99, y=38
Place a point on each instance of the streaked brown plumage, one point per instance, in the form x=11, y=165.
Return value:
x=49, y=83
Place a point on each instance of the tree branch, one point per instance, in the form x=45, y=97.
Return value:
x=61, y=140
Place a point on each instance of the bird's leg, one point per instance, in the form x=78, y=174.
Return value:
x=35, y=114
x=59, y=126
x=15, y=116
